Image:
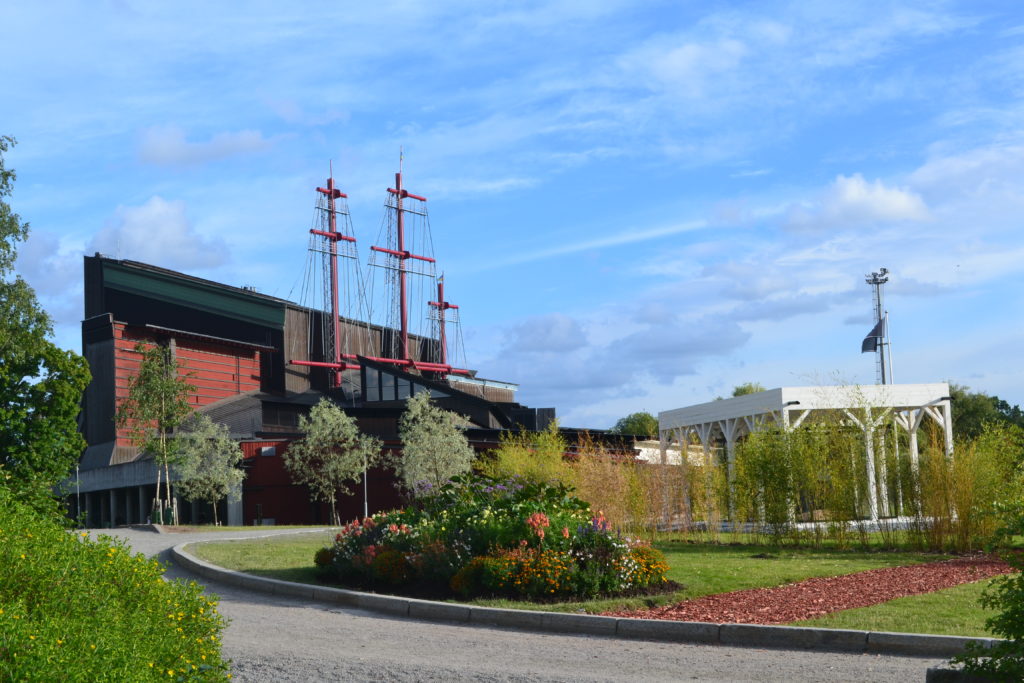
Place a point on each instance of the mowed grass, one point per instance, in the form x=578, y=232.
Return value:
x=702, y=568
x=953, y=612
x=288, y=557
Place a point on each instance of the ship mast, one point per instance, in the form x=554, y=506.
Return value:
x=336, y=363
x=442, y=307
x=398, y=260
x=402, y=255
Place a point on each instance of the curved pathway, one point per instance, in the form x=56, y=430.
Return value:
x=277, y=638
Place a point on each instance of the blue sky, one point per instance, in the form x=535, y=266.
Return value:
x=637, y=205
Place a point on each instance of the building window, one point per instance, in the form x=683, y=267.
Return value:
x=404, y=389
x=387, y=387
x=372, y=390
x=268, y=451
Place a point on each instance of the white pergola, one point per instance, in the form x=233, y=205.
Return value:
x=866, y=406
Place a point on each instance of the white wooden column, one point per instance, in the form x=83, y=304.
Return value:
x=868, y=428
x=947, y=426
x=682, y=435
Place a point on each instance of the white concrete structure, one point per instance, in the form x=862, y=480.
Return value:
x=866, y=406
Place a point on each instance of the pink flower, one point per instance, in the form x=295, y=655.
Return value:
x=565, y=532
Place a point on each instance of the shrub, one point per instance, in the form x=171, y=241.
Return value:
x=476, y=535
x=390, y=566
x=1005, y=660
x=468, y=580
x=649, y=567
x=89, y=610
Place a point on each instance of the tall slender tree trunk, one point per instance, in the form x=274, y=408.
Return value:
x=159, y=507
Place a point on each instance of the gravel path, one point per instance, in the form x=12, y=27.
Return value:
x=282, y=639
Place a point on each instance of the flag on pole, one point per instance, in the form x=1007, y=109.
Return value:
x=871, y=342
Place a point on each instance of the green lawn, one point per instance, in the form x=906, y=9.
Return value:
x=288, y=557
x=703, y=569
x=953, y=611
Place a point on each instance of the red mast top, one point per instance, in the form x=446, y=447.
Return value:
x=336, y=364
x=441, y=305
x=402, y=254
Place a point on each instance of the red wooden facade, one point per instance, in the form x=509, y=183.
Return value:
x=216, y=370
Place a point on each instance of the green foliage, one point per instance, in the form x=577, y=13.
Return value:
x=41, y=385
x=332, y=454
x=637, y=424
x=973, y=410
x=88, y=610
x=156, y=404
x=434, y=449
x=535, y=456
x=1005, y=660
x=478, y=535
x=747, y=388
x=208, y=467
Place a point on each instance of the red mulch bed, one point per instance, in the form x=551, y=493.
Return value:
x=819, y=596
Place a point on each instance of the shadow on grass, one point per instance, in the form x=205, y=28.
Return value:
x=296, y=574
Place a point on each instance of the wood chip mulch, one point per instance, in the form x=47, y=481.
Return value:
x=819, y=596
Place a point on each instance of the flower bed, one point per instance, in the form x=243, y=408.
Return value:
x=477, y=536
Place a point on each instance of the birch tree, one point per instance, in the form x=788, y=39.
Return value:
x=157, y=403
x=208, y=465
x=331, y=455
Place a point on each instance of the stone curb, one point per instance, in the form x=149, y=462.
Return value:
x=745, y=635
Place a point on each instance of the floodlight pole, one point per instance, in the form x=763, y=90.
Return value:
x=876, y=280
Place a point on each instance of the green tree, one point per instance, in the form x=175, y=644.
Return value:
x=157, y=403
x=331, y=454
x=41, y=385
x=208, y=465
x=434, y=449
x=747, y=388
x=972, y=410
x=637, y=424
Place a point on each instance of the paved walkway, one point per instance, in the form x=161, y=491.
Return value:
x=275, y=638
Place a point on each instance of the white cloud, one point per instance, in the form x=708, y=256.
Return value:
x=166, y=145
x=852, y=201
x=684, y=68
x=50, y=269
x=160, y=233
x=628, y=236
x=555, y=332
